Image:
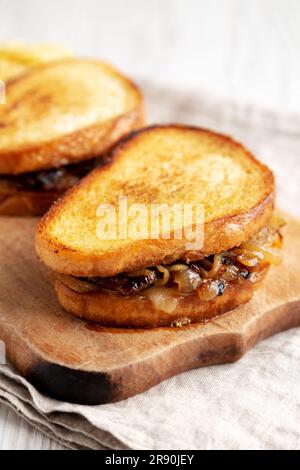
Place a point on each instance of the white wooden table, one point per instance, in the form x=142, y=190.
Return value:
x=246, y=50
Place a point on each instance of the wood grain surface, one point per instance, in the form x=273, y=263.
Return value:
x=81, y=362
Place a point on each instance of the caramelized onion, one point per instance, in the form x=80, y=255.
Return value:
x=253, y=249
x=187, y=280
x=277, y=241
x=202, y=271
x=231, y=273
x=208, y=290
x=162, y=298
x=177, y=267
x=206, y=265
x=248, y=259
x=166, y=276
x=270, y=236
x=209, y=276
x=215, y=266
x=75, y=284
x=269, y=255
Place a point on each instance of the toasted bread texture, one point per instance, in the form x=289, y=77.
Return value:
x=112, y=309
x=16, y=57
x=65, y=111
x=161, y=164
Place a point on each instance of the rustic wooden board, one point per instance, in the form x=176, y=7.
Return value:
x=73, y=360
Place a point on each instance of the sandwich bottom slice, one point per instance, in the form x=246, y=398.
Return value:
x=33, y=193
x=176, y=294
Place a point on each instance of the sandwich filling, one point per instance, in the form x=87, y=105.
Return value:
x=209, y=276
x=54, y=179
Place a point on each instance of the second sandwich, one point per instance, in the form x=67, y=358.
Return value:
x=58, y=120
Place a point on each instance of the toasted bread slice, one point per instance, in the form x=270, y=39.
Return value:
x=63, y=112
x=9, y=68
x=161, y=164
x=16, y=57
x=112, y=309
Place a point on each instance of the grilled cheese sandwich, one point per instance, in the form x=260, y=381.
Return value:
x=159, y=282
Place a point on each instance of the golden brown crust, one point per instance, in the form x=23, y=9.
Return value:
x=219, y=234
x=78, y=146
x=84, y=143
x=112, y=309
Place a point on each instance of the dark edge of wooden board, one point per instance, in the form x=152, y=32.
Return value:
x=94, y=388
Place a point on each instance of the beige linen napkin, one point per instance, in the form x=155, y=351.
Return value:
x=252, y=404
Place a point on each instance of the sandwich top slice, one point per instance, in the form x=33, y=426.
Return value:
x=16, y=57
x=131, y=281
x=57, y=116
